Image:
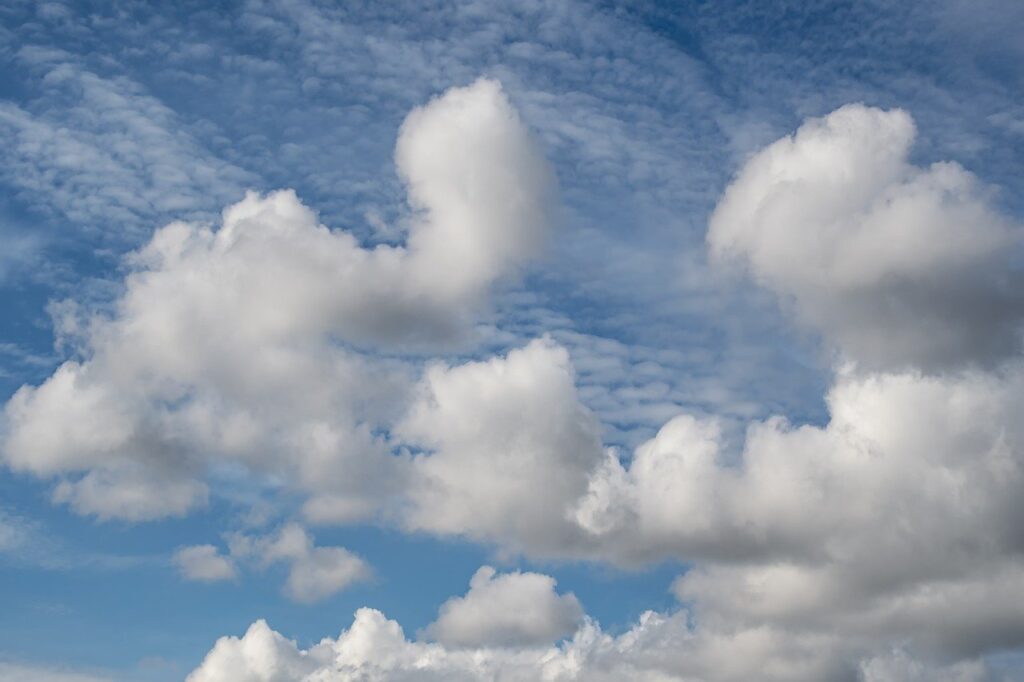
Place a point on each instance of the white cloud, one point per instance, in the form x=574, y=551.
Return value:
x=657, y=648
x=897, y=265
x=204, y=563
x=262, y=655
x=513, y=609
x=314, y=573
x=225, y=342
x=103, y=152
x=814, y=548
x=127, y=491
x=510, y=449
x=896, y=521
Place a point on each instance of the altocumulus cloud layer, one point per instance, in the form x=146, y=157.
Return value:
x=883, y=545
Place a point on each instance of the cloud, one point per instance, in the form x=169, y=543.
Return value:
x=897, y=265
x=314, y=573
x=262, y=655
x=508, y=447
x=514, y=609
x=102, y=152
x=241, y=343
x=657, y=648
x=204, y=563
x=812, y=549
x=876, y=528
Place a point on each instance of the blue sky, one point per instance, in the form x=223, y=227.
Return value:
x=117, y=121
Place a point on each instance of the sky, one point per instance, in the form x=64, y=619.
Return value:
x=522, y=341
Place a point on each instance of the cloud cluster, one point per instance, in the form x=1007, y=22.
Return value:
x=814, y=550
x=314, y=572
x=657, y=648
x=241, y=342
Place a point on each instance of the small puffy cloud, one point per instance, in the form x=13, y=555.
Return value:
x=204, y=563
x=314, y=573
x=514, y=609
x=896, y=264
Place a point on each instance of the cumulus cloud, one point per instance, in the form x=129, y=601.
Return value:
x=813, y=549
x=240, y=342
x=204, y=563
x=510, y=446
x=514, y=609
x=895, y=522
x=262, y=655
x=314, y=573
x=898, y=265
x=657, y=648
x=375, y=648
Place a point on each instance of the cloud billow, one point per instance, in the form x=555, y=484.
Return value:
x=241, y=342
x=899, y=266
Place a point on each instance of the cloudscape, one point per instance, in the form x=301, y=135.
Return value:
x=572, y=341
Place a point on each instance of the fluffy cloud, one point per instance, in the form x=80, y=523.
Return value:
x=204, y=563
x=314, y=573
x=813, y=548
x=235, y=343
x=657, y=648
x=953, y=454
x=262, y=655
x=898, y=265
x=895, y=522
x=510, y=449
x=515, y=609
